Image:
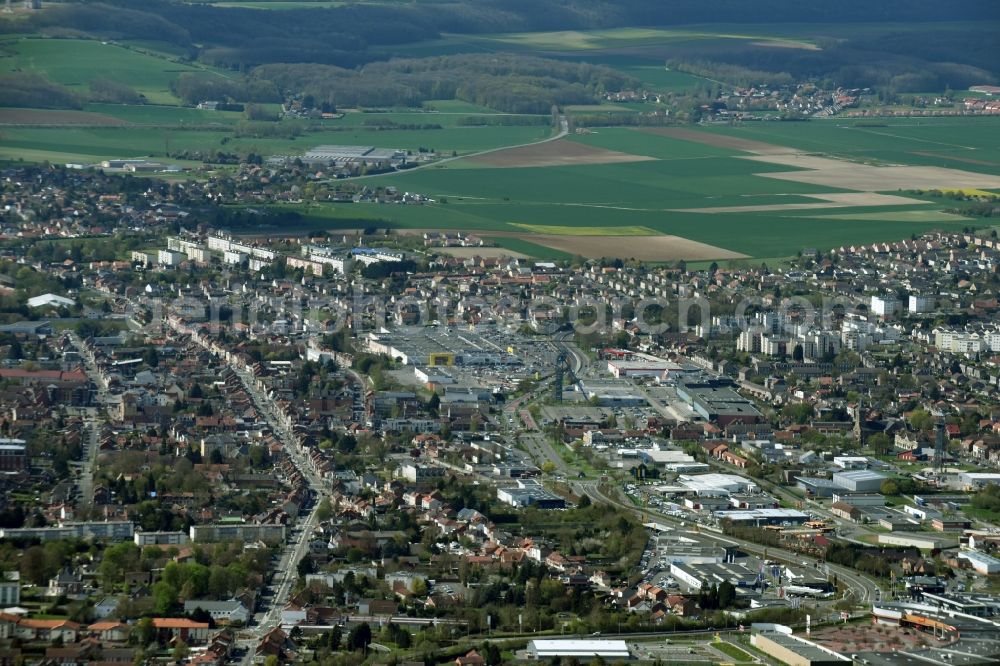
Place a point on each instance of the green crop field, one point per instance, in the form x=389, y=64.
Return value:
x=75, y=62
x=90, y=144
x=456, y=106
x=589, y=40
x=431, y=117
x=970, y=144
x=620, y=198
x=754, y=234
x=161, y=115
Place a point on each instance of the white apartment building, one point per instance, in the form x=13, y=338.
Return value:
x=884, y=306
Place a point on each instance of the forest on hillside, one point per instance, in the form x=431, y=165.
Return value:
x=349, y=55
x=511, y=83
x=354, y=34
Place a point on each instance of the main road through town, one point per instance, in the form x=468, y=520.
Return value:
x=92, y=423
x=286, y=571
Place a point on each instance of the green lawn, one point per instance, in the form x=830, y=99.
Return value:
x=732, y=651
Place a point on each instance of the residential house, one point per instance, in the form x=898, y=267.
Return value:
x=223, y=612
x=110, y=631
x=189, y=631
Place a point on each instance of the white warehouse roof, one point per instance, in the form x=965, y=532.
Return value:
x=545, y=649
x=709, y=483
x=50, y=299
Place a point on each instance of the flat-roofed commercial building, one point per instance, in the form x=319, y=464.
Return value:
x=981, y=563
x=622, y=369
x=977, y=480
x=579, y=649
x=717, y=484
x=530, y=492
x=690, y=553
x=859, y=481
x=921, y=540
x=761, y=517
x=612, y=393
x=796, y=651
x=693, y=576
x=716, y=400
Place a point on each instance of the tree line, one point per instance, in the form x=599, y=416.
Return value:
x=506, y=82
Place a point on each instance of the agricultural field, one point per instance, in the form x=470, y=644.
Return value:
x=74, y=63
x=699, y=193
x=721, y=192
x=969, y=144
x=620, y=38
x=91, y=144
x=162, y=115
x=82, y=144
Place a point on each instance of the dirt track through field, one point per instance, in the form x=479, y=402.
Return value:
x=555, y=153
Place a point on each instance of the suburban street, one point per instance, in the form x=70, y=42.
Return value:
x=286, y=572
x=92, y=423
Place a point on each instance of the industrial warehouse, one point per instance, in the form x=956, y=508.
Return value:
x=347, y=155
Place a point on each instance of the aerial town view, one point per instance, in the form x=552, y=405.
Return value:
x=485, y=332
